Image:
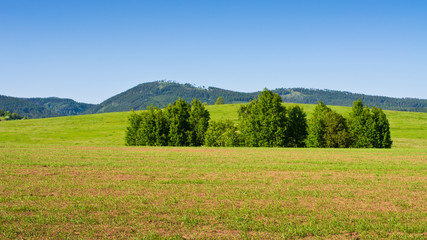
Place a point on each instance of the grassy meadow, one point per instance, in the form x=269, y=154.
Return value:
x=72, y=178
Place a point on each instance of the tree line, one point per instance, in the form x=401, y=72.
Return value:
x=6, y=115
x=263, y=122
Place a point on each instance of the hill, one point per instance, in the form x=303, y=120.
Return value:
x=42, y=107
x=342, y=98
x=161, y=93
x=62, y=106
x=24, y=107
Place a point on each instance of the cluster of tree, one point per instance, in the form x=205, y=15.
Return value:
x=264, y=122
x=6, y=115
x=179, y=124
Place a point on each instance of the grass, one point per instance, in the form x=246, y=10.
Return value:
x=72, y=178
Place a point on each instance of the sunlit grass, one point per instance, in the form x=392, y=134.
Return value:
x=131, y=192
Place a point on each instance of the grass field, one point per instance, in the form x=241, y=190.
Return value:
x=72, y=178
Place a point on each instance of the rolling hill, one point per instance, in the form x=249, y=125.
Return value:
x=62, y=106
x=42, y=107
x=161, y=93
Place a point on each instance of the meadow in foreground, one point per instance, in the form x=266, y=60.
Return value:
x=127, y=192
x=72, y=177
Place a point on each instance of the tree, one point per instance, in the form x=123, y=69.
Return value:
x=336, y=131
x=263, y=121
x=199, y=123
x=327, y=128
x=131, y=133
x=369, y=127
x=222, y=134
x=179, y=129
x=219, y=101
x=316, y=126
x=154, y=128
x=380, y=130
x=296, y=130
x=360, y=122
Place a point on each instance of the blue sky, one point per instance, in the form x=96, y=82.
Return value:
x=92, y=50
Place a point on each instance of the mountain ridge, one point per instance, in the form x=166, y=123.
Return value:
x=162, y=93
x=43, y=107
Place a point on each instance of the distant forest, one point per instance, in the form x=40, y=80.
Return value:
x=161, y=93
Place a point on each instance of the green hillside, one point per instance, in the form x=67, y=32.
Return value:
x=62, y=106
x=43, y=107
x=408, y=129
x=161, y=93
x=24, y=107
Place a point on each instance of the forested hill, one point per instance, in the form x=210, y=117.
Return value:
x=161, y=93
x=62, y=106
x=341, y=98
x=42, y=107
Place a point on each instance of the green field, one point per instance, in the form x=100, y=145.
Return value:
x=71, y=177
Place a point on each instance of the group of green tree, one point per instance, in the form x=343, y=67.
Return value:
x=179, y=124
x=6, y=115
x=365, y=128
x=263, y=122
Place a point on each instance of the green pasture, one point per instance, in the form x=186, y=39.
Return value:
x=73, y=178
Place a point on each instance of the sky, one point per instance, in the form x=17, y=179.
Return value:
x=91, y=50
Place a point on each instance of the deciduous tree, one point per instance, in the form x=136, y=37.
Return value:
x=199, y=123
x=263, y=121
x=296, y=130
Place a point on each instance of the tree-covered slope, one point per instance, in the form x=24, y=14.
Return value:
x=62, y=106
x=341, y=98
x=24, y=107
x=42, y=107
x=161, y=93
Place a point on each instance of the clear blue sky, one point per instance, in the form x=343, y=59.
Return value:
x=91, y=50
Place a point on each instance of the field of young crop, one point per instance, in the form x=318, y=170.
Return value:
x=71, y=177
